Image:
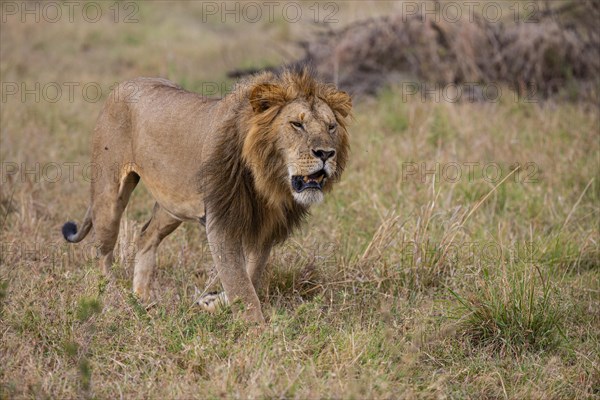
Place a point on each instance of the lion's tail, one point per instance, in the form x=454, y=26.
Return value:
x=69, y=229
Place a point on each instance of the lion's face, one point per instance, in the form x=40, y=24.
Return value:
x=309, y=139
x=298, y=146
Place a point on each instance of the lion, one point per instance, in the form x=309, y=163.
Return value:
x=247, y=166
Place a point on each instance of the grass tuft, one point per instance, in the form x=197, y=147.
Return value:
x=87, y=307
x=514, y=313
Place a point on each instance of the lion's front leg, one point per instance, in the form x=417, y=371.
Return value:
x=228, y=257
x=256, y=263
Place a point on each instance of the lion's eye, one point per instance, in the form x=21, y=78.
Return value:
x=296, y=124
x=332, y=127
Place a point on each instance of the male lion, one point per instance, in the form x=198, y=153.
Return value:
x=248, y=165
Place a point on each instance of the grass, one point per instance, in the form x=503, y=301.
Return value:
x=514, y=313
x=401, y=285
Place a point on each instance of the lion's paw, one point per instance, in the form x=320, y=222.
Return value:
x=213, y=301
x=147, y=298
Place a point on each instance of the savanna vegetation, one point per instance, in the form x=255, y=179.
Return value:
x=458, y=257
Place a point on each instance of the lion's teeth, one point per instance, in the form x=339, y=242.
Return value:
x=319, y=179
x=305, y=179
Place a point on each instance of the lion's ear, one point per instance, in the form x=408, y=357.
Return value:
x=265, y=96
x=340, y=102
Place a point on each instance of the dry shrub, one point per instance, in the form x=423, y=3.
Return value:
x=554, y=48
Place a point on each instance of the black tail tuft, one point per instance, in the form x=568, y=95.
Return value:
x=69, y=230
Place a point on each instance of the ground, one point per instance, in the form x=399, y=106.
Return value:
x=457, y=258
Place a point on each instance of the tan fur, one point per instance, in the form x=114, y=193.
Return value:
x=232, y=158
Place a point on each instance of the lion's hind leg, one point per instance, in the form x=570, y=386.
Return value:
x=107, y=209
x=161, y=224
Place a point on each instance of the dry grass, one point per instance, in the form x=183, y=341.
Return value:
x=548, y=47
x=360, y=302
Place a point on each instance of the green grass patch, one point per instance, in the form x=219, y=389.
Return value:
x=514, y=311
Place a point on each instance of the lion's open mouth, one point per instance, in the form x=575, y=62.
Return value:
x=315, y=181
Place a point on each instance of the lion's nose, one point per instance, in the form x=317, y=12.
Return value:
x=323, y=154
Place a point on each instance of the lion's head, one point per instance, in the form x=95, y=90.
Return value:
x=297, y=144
x=283, y=146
